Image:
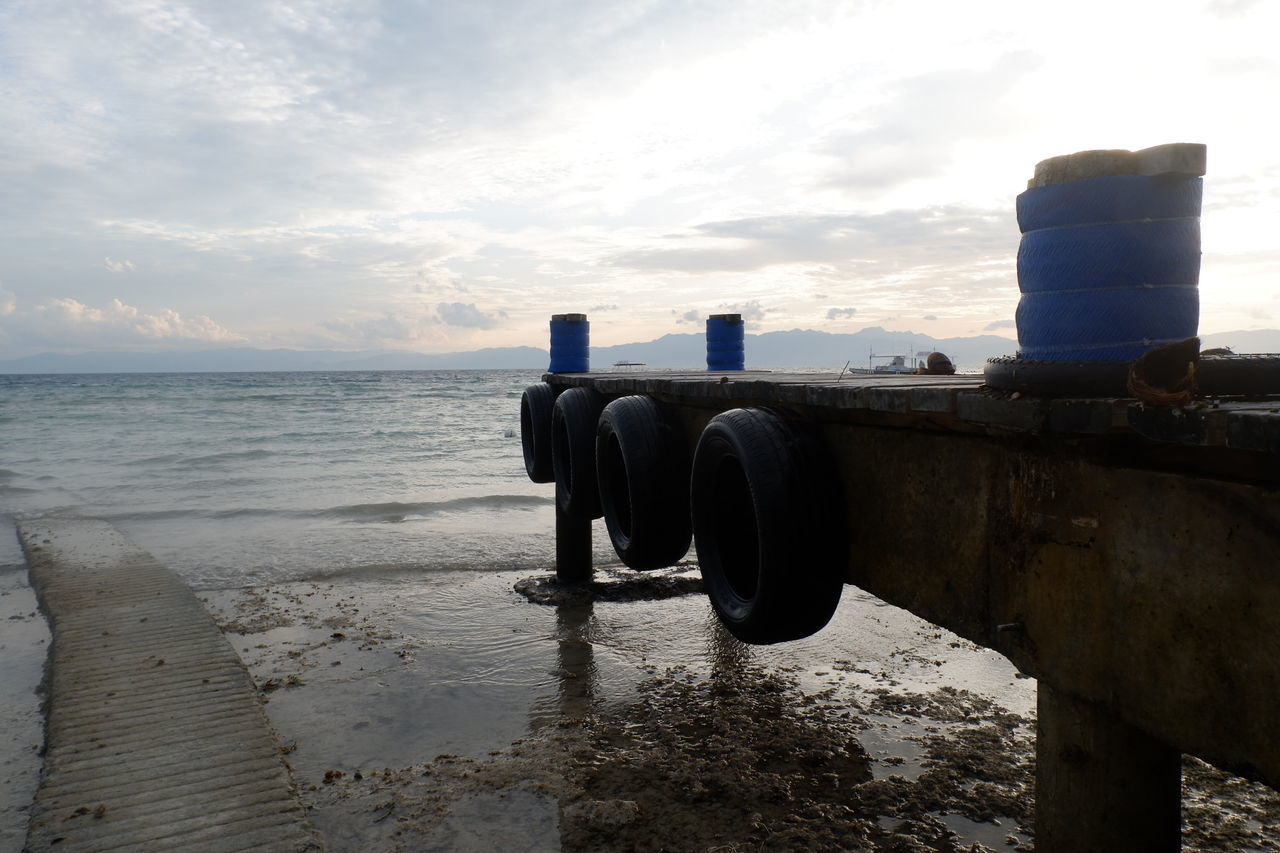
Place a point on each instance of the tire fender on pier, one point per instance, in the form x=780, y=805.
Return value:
x=766, y=526
x=573, y=451
x=642, y=465
x=535, y=431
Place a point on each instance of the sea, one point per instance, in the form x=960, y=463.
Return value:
x=237, y=479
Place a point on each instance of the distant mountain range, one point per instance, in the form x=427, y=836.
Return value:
x=795, y=348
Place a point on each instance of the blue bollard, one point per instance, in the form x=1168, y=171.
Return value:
x=570, y=340
x=725, y=350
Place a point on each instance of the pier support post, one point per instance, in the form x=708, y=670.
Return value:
x=1102, y=784
x=573, y=547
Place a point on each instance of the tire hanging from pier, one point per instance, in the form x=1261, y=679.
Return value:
x=642, y=466
x=766, y=524
x=573, y=451
x=535, y=431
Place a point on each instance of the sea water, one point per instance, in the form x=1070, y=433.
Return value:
x=234, y=479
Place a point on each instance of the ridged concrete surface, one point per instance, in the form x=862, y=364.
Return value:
x=156, y=739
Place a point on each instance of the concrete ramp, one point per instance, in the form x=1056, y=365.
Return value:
x=156, y=739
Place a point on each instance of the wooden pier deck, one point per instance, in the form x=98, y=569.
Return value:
x=1124, y=555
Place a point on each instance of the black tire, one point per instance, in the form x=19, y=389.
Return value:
x=535, y=431
x=573, y=451
x=766, y=527
x=642, y=467
x=1242, y=374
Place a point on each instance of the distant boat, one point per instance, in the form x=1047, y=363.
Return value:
x=628, y=364
x=891, y=364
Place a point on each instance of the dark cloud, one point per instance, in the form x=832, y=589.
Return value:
x=836, y=313
x=690, y=316
x=997, y=325
x=930, y=317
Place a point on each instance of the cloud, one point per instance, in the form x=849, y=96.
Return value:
x=467, y=315
x=693, y=315
x=836, y=313
x=996, y=325
x=112, y=326
x=921, y=123
x=922, y=236
x=1231, y=8
x=930, y=317
x=390, y=329
x=118, y=266
x=609, y=307
x=8, y=302
x=749, y=310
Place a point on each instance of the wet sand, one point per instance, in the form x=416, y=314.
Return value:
x=472, y=712
x=465, y=711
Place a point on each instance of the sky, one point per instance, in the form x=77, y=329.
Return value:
x=443, y=176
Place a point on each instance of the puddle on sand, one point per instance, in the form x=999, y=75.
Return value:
x=993, y=835
x=515, y=821
x=890, y=745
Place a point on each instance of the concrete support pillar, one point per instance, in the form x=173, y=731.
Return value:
x=1102, y=784
x=573, y=548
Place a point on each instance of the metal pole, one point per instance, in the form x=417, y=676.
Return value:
x=573, y=548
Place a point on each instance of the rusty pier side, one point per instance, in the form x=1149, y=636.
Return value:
x=1123, y=555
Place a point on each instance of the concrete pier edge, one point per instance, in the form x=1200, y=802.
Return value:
x=155, y=737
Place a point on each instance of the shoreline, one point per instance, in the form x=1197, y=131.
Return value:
x=450, y=712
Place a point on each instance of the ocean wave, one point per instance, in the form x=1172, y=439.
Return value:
x=394, y=512
x=164, y=459
x=389, y=512
x=229, y=456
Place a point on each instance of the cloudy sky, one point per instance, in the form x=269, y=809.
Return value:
x=443, y=175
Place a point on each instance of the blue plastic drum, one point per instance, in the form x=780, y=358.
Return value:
x=570, y=342
x=725, y=347
x=1109, y=267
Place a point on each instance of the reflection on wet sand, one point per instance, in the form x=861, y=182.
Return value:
x=575, y=659
x=576, y=668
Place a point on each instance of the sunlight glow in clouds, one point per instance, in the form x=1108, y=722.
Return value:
x=347, y=174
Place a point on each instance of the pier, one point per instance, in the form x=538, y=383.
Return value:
x=1123, y=554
